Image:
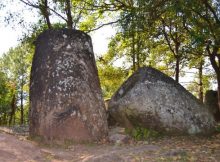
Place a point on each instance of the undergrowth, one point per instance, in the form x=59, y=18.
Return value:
x=140, y=133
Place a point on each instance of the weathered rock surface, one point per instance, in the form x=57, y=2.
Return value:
x=65, y=93
x=211, y=100
x=118, y=135
x=111, y=121
x=153, y=100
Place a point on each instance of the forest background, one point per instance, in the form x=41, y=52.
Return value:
x=179, y=37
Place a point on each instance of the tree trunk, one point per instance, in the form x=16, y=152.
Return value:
x=177, y=69
x=22, y=109
x=177, y=55
x=138, y=60
x=45, y=12
x=14, y=120
x=215, y=65
x=48, y=22
x=22, y=105
x=219, y=93
x=69, y=15
x=138, y=53
x=200, y=81
x=5, y=119
x=46, y=15
x=218, y=80
x=13, y=108
x=133, y=52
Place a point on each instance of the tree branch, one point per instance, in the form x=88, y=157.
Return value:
x=212, y=57
x=211, y=10
x=57, y=14
x=106, y=24
x=28, y=3
x=207, y=20
x=166, y=37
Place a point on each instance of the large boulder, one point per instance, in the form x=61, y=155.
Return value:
x=211, y=100
x=65, y=93
x=152, y=100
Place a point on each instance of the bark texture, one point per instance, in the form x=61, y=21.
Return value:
x=211, y=100
x=65, y=93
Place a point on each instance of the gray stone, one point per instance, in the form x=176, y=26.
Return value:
x=155, y=101
x=211, y=100
x=65, y=93
x=118, y=135
x=119, y=138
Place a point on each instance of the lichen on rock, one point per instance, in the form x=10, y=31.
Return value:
x=153, y=100
x=65, y=94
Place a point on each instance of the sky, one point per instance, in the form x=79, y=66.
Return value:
x=10, y=34
x=9, y=38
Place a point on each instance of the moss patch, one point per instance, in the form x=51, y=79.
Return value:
x=140, y=133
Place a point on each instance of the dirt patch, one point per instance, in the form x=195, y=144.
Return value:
x=6, y=155
x=18, y=148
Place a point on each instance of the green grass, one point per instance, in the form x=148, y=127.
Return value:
x=140, y=133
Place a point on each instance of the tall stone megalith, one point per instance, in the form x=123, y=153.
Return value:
x=65, y=93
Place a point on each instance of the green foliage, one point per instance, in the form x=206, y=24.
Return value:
x=111, y=78
x=15, y=67
x=36, y=30
x=6, y=94
x=141, y=133
x=89, y=23
x=218, y=129
x=169, y=31
x=193, y=87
